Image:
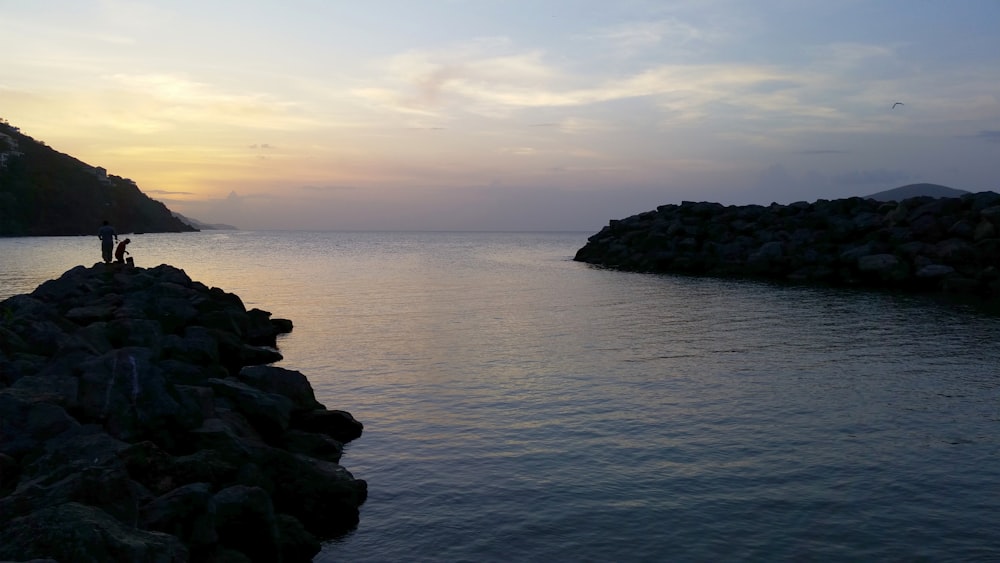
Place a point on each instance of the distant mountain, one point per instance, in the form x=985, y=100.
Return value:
x=44, y=192
x=916, y=190
x=205, y=226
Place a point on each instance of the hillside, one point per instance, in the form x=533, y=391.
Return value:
x=44, y=193
x=916, y=190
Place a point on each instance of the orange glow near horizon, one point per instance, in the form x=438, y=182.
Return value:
x=449, y=115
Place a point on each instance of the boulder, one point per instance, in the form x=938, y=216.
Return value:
x=268, y=413
x=935, y=271
x=296, y=543
x=288, y=383
x=339, y=425
x=885, y=266
x=318, y=446
x=187, y=512
x=245, y=521
x=324, y=496
x=84, y=534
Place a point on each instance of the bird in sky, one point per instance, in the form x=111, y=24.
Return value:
x=897, y=104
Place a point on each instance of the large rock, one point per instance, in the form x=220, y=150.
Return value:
x=84, y=534
x=339, y=425
x=269, y=413
x=887, y=267
x=289, y=383
x=245, y=521
x=187, y=512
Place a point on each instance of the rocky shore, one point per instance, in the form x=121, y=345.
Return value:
x=140, y=421
x=918, y=244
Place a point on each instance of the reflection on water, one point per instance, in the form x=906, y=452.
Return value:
x=520, y=406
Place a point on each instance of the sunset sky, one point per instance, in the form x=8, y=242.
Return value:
x=505, y=114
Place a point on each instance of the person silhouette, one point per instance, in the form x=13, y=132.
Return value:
x=120, y=252
x=106, y=233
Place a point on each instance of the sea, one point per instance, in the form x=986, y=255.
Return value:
x=520, y=406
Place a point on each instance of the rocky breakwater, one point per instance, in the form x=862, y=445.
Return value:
x=139, y=421
x=920, y=244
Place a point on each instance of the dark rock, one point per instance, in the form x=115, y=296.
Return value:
x=887, y=267
x=208, y=466
x=297, y=544
x=150, y=466
x=269, y=413
x=245, y=521
x=234, y=354
x=187, y=512
x=281, y=381
x=318, y=446
x=258, y=355
x=322, y=495
x=260, y=332
x=9, y=473
x=935, y=271
x=84, y=534
x=90, y=313
x=25, y=425
x=80, y=465
x=339, y=425
x=230, y=437
x=128, y=393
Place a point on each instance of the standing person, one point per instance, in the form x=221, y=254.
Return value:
x=120, y=252
x=106, y=233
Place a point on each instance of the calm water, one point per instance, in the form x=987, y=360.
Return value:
x=519, y=406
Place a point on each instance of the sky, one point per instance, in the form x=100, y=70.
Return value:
x=505, y=114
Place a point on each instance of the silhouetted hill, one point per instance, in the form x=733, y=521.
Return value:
x=44, y=192
x=916, y=190
x=204, y=226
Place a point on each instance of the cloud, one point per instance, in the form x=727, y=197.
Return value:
x=988, y=136
x=868, y=177
x=469, y=82
x=154, y=102
x=327, y=189
x=519, y=151
x=821, y=151
x=852, y=55
x=167, y=192
x=635, y=37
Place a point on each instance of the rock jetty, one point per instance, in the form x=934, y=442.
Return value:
x=140, y=421
x=920, y=244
